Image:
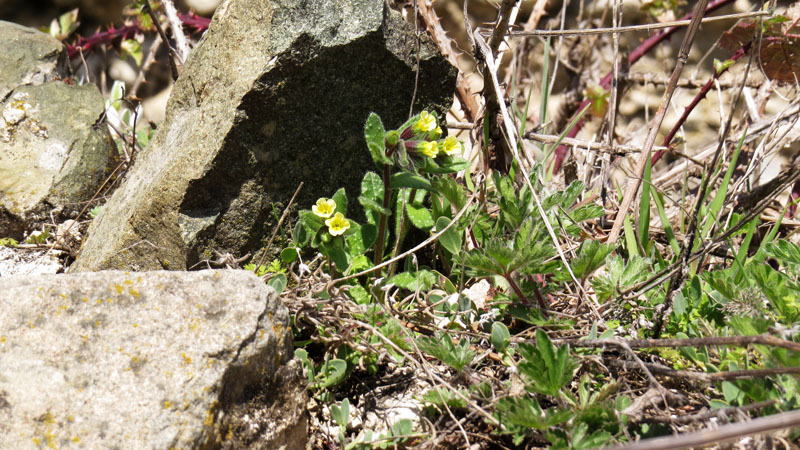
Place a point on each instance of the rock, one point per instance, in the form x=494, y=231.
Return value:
x=203, y=7
x=16, y=261
x=54, y=151
x=146, y=360
x=29, y=57
x=276, y=93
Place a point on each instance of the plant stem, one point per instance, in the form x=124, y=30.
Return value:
x=401, y=231
x=387, y=196
x=515, y=287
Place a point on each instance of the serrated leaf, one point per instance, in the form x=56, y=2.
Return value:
x=442, y=348
x=526, y=412
x=443, y=396
x=783, y=251
x=620, y=275
x=566, y=198
x=586, y=212
x=591, y=256
x=451, y=190
x=549, y=368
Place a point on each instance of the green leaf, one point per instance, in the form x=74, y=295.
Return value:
x=526, y=412
x=416, y=280
x=443, y=349
x=443, y=396
x=302, y=355
x=586, y=212
x=566, y=198
x=278, y=282
x=549, y=368
x=132, y=48
x=289, y=255
x=620, y=275
x=341, y=413
x=362, y=239
x=500, y=337
x=409, y=180
x=451, y=190
x=450, y=164
x=450, y=239
x=311, y=221
x=332, y=373
x=371, y=197
x=719, y=198
x=340, y=197
x=375, y=135
x=644, y=208
x=8, y=242
x=479, y=264
x=783, y=294
x=420, y=216
x=591, y=256
x=784, y=251
x=721, y=66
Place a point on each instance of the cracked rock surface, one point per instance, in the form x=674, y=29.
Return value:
x=147, y=360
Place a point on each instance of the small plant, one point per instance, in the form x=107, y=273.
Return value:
x=8, y=242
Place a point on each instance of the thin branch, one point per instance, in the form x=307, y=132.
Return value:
x=691, y=83
x=633, y=187
x=739, y=341
x=173, y=66
x=703, y=376
x=630, y=28
x=278, y=225
x=718, y=435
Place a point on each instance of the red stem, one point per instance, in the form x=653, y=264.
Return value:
x=190, y=21
x=643, y=48
x=696, y=101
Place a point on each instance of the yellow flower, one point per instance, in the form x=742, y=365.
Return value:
x=324, y=208
x=337, y=225
x=428, y=149
x=436, y=133
x=426, y=123
x=452, y=146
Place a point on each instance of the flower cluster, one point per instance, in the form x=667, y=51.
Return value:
x=324, y=208
x=428, y=132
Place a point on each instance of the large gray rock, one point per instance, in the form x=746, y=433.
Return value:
x=276, y=93
x=54, y=150
x=146, y=360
